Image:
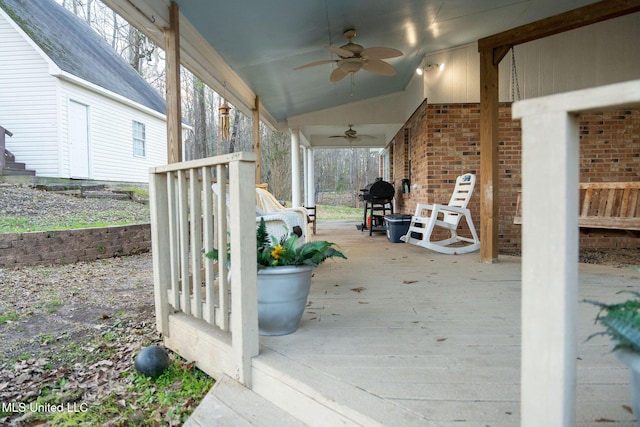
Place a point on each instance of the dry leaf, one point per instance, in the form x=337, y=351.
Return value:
x=358, y=289
x=441, y=339
x=406, y=282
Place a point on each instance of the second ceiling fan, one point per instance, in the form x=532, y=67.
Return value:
x=352, y=135
x=354, y=57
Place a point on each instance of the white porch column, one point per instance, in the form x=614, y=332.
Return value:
x=550, y=197
x=311, y=192
x=550, y=181
x=305, y=176
x=295, y=168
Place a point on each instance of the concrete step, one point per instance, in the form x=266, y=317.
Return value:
x=228, y=403
x=79, y=188
x=16, y=168
x=288, y=393
x=106, y=195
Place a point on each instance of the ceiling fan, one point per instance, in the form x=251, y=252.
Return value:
x=351, y=135
x=354, y=57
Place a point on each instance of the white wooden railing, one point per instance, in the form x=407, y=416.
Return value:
x=550, y=174
x=187, y=220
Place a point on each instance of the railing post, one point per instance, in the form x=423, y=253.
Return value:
x=159, y=202
x=550, y=175
x=549, y=275
x=244, y=303
x=3, y=131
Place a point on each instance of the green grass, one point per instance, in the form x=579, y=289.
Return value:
x=139, y=191
x=338, y=212
x=135, y=400
x=8, y=317
x=166, y=400
x=23, y=224
x=13, y=224
x=53, y=306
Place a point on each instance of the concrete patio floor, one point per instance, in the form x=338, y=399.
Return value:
x=399, y=335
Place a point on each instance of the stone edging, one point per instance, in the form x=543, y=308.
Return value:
x=70, y=246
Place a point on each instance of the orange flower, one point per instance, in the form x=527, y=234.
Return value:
x=277, y=251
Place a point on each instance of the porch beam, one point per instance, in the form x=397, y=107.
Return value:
x=576, y=18
x=173, y=104
x=489, y=156
x=492, y=49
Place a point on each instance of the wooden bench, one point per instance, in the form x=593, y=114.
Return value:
x=612, y=205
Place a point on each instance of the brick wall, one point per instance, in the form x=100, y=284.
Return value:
x=445, y=144
x=69, y=246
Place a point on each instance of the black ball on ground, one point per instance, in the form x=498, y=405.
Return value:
x=152, y=361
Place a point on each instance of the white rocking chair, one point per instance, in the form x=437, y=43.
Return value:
x=428, y=217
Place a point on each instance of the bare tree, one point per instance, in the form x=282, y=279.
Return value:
x=199, y=119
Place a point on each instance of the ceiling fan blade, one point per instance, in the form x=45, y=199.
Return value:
x=380, y=67
x=344, y=53
x=380, y=53
x=337, y=75
x=313, y=64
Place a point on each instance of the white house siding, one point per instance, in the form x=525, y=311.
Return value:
x=599, y=54
x=28, y=102
x=110, y=136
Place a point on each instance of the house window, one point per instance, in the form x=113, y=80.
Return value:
x=139, y=139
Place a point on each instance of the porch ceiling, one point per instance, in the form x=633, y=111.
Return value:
x=253, y=46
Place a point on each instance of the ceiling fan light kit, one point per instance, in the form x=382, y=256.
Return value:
x=354, y=57
x=429, y=67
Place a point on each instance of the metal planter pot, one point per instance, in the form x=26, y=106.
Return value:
x=282, y=298
x=632, y=360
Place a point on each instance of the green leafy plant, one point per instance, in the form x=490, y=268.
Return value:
x=286, y=251
x=273, y=252
x=621, y=322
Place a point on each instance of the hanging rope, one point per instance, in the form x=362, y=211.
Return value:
x=515, y=85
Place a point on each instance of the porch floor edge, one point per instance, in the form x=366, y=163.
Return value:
x=318, y=399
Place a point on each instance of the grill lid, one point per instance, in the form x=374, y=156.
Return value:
x=379, y=190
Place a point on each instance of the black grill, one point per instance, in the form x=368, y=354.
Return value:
x=378, y=198
x=379, y=190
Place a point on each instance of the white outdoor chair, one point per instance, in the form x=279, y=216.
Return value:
x=280, y=223
x=266, y=203
x=428, y=217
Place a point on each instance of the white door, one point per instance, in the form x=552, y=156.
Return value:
x=78, y=140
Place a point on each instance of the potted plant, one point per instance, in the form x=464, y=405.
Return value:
x=622, y=324
x=284, y=278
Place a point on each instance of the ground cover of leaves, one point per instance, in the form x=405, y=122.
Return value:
x=69, y=333
x=32, y=209
x=72, y=332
